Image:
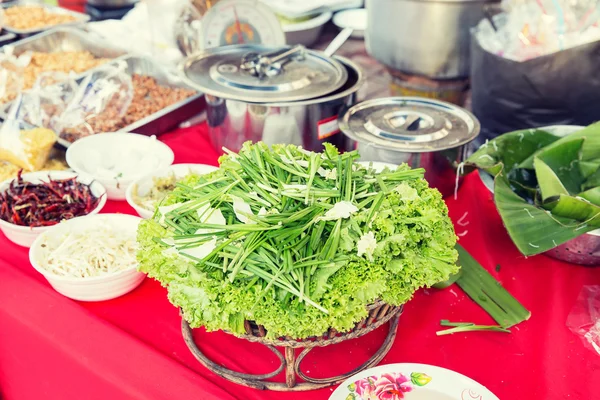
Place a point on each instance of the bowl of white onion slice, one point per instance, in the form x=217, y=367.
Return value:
x=90, y=258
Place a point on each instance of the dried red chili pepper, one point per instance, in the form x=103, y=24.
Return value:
x=46, y=203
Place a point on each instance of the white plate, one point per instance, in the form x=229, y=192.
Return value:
x=355, y=19
x=411, y=382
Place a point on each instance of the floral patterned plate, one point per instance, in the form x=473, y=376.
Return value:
x=411, y=382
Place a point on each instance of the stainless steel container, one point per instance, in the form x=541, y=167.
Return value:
x=79, y=18
x=423, y=37
x=112, y=3
x=297, y=102
x=420, y=132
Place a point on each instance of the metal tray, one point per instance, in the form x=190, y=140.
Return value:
x=6, y=37
x=65, y=39
x=162, y=121
x=170, y=117
x=80, y=18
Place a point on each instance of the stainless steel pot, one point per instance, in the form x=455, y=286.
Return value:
x=307, y=122
x=423, y=37
x=422, y=133
x=112, y=3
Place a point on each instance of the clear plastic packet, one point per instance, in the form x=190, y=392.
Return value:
x=99, y=105
x=22, y=145
x=44, y=104
x=584, y=319
x=533, y=28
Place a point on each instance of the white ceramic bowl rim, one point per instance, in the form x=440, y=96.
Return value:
x=163, y=172
x=316, y=21
x=74, y=148
x=38, y=241
x=353, y=18
x=95, y=186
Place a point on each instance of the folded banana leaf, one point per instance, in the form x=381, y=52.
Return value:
x=547, y=187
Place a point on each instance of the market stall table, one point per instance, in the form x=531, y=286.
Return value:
x=132, y=348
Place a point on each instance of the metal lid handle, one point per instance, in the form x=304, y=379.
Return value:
x=270, y=64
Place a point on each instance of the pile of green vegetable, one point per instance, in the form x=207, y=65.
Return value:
x=547, y=185
x=296, y=241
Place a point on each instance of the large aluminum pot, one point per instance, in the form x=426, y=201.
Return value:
x=308, y=123
x=423, y=37
x=422, y=133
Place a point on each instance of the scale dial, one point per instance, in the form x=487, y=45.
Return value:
x=231, y=22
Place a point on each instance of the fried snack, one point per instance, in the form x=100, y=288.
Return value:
x=36, y=147
x=32, y=17
x=149, y=97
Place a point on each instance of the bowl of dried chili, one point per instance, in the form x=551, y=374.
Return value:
x=33, y=202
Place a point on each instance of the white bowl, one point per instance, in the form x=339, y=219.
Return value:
x=355, y=19
x=25, y=235
x=145, y=183
x=307, y=32
x=103, y=154
x=97, y=288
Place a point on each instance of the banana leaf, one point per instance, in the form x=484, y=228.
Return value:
x=564, y=159
x=533, y=229
x=510, y=149
x=589, y=167
x=589, y=151
x=575, y=208
x=592, y=195
x=549, y=182
x=592, y=181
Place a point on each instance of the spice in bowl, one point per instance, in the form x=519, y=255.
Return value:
x=162, y=187
x=46, y=203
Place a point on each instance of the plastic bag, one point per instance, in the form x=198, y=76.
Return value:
x=27, y=148
x=534, y=28
x=99, y=104
x=44, y=104
x=11, y=80
x=584, y=319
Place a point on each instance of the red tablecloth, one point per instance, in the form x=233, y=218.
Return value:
x=131, y=347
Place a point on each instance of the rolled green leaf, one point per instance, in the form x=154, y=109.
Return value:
x=589, y=151
x=564, y=161
x=550, y=184
x=533, y=229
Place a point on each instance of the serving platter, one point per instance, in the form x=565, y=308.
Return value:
x=80, y=18
x=411, y=382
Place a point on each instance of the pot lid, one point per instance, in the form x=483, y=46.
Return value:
x=261, y=74
x=409, y=124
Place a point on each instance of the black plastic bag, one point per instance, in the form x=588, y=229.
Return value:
x=562, y=88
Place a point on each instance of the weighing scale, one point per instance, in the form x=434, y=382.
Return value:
x=231, y=22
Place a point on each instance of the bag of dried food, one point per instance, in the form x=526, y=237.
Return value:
x=99, y=105
x=24, y=146
x=44, y=104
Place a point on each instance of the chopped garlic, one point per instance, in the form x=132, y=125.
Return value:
x=241, y=209
x=328, y=173
x=164, y=210
x=210, y=216
x=367, y=245
x=341, y=210
x=406, y=192
x=295, y=187
x=201, y=251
